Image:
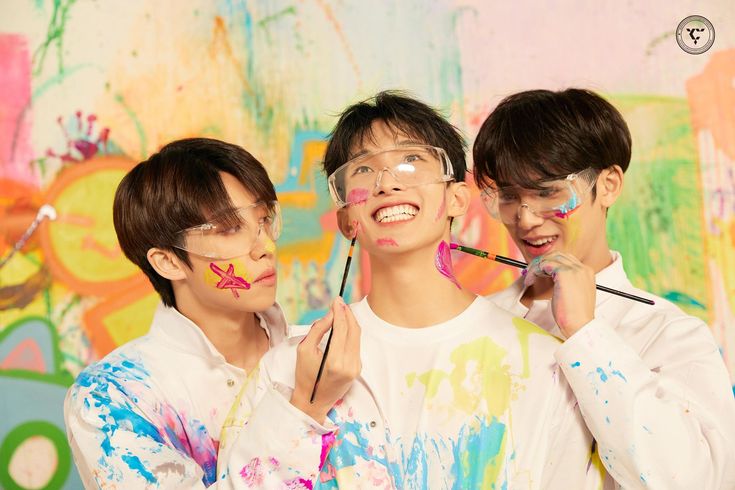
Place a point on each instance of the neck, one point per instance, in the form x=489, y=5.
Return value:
x=238, y=336
x=408, y=290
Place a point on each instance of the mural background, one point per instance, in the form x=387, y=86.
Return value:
x=89, y=88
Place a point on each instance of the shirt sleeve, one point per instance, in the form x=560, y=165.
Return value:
x=569, y=453
x=114, y=442
x=666, y=422
x=274, y=444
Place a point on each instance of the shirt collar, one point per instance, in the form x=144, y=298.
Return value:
x=178, y=331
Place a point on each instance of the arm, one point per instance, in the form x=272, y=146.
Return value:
x=115, y=442
x=569, y=454
x=282, y=442
x=665, y=423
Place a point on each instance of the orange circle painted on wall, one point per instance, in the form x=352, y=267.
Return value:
x=80, y=246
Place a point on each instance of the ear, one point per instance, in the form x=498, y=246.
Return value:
x=166, y=264
x=458, y=199
x=347, y=226
x=610, y=185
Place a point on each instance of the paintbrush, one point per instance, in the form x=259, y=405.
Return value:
x=523, y=265
x=329, y=339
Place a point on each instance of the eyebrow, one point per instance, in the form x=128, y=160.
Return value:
x=364, y=151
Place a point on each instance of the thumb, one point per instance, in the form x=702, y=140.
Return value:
x=318, y=329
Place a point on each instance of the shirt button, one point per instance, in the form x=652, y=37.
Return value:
x=373, y=423
x=230, y=382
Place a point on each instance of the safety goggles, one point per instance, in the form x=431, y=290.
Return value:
x=555, y=198
x=234, y=234
x=410, y=165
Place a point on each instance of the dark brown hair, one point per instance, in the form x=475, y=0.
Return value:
x=540, y=134
x=400, y=111
x=177, y=188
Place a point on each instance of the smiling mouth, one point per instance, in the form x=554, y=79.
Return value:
x=541, y=241
x=392, y=214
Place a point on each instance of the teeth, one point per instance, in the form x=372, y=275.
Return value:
x=542, y=241
x=401, y=212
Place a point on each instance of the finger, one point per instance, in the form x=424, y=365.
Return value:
x=352, y=342
x=317, y=331
x=564, y=258
x=339, y=327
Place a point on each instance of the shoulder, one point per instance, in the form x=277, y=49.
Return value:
x=497, y=320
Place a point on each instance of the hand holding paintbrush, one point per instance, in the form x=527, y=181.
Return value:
x=332, y=371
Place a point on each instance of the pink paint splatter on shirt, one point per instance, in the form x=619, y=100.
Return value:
x=252, y=473
x=443, y=263
x=327, y=441
x=387, y=242
x=299, y=484
x=229, y=280
x=358, y=196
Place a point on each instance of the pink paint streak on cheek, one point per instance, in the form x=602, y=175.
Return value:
x=442, y=209
x=228, y=279
x=387, y=242
x=358, y=196
x=443, y=263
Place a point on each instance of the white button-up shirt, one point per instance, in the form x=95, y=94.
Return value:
x=652, y=387
x=155, y=412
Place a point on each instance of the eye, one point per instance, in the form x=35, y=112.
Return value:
x=507, y=195
x=362, y=169
x=547, y=193
x=413, y=157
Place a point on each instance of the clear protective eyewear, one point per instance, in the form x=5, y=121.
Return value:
x=234, y=234
x=555, y=198
x=411, y=165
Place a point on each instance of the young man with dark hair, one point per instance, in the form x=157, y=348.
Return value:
x=650, y=380
x=200, y=218
x=454, y=392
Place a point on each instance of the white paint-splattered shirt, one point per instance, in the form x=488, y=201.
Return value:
x=154, y=413
x=652, y=387
x=474, y=402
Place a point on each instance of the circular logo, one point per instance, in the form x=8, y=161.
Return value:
x=695, y=34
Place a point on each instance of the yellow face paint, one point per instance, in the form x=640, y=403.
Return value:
x=230, y=275
x=269, y=245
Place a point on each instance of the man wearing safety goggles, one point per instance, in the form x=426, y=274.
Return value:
x=187, y=405
x=650, y=380
x=454, y=392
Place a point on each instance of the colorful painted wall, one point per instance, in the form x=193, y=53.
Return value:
x=89, y=88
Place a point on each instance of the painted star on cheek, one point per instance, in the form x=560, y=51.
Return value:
x=229, y=280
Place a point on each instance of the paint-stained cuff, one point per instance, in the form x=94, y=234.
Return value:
x=283, y=448
x=595, y=341
x=290, y=420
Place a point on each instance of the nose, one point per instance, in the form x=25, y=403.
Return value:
x=527, y=219
x=263, y=245
x=386, y=182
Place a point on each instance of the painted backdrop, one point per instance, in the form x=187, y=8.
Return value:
x=89, y=88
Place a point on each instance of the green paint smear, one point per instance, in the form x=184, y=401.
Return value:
x=54, y=36
x=657, y=222
x=138, y=126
